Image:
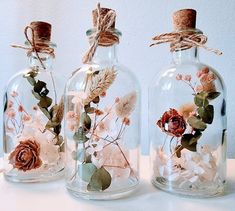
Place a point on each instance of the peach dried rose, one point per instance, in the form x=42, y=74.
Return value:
x=25, y=157
x=186, y=109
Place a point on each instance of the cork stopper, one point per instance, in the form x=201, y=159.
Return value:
x=184, y=19
x=103, y=12
x=42, y=30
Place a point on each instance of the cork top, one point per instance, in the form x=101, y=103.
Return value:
x=184, y=19
x=42, y=30
x=103, y=12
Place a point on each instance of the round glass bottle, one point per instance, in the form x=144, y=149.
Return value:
x=187, y=123
x=102, y=125
x=33, y=112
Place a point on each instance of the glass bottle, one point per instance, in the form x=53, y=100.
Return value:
x=33, y=112
x=187, y=123
x=102, y=125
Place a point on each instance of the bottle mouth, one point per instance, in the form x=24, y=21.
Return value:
x=89, y=32
x=189, y=30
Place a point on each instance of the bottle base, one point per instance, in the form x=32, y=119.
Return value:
x=33, y=178
x=109, y=195
x=203, y=192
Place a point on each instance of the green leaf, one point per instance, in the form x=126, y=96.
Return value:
x=212, y=95
x=39, y=86
x=51, y=124
x=86, y=171
x=36, y=95
x=100, y=180
x=196, y=123
x=185, y=142
x=45, y=102
x=89, y=110
x=206, y=113
x=86, y=121
x=31, y=80
x=200, y=99
x=80, y=136
x=45, y=111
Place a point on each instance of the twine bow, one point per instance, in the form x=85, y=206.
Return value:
x=184, y=40
x=36, y=46
x=102, y=35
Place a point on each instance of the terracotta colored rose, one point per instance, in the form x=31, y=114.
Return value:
x=26, y=155
x=172, y=123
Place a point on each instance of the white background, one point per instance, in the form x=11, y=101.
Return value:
x=139, y=20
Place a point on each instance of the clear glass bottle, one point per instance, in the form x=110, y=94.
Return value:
x=187, y=126
x=33, y=112
x=102, y=127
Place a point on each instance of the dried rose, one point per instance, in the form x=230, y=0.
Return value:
x=172, y=123
x=26, y=155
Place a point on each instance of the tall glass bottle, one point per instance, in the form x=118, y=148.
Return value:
x=33, y=112
x=102, y=123
x=187, y=121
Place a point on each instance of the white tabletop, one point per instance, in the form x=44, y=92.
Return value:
x=54, y=197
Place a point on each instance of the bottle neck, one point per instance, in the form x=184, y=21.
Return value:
x=182, y=56
x=105, y=55
x=46, y=58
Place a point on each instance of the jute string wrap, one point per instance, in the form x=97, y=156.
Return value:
x=37, y=45
x=103, y=34
x=183, y=40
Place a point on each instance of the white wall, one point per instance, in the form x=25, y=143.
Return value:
x=139, y=21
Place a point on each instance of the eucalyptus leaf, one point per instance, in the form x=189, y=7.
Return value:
x=36, y=95
x=86, y=121
x=39, y=86
x=196, y=123
x=51, y=124
x=100, y=180
x=86, y=171
x=200, y=99
x=212, y=95
x=185, y=142
x=45, y=112
x=206, y=113
x=31, y=80
x=45, y=102
x=80, y=136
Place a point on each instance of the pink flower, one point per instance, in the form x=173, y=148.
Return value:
x=187, y=77
x=20, y=108
x=11, y=113
x=14, y=94
x=10, y=104
x=70, y=115
x=179, y=77
x=204, y=70
x=26, y=118
x=199, y=88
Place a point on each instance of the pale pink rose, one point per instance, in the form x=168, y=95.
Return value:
x=199, y=88
x=11, y=113
x=10, y=104
x=210, y=77
x=204, y=70
x=14, y=94
x=187, y=77
x=26, y=118
x=179, y=77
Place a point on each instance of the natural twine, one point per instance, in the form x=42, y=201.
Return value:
x=37, y=46
x=184, y=40
x=103, y=34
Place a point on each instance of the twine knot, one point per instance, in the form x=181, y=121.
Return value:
x=103, y=34
x=36, y=46
x=183, y=40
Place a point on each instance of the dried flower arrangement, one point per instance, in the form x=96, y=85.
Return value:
x=99, y=153
x=185, y=126
x=38, y=143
